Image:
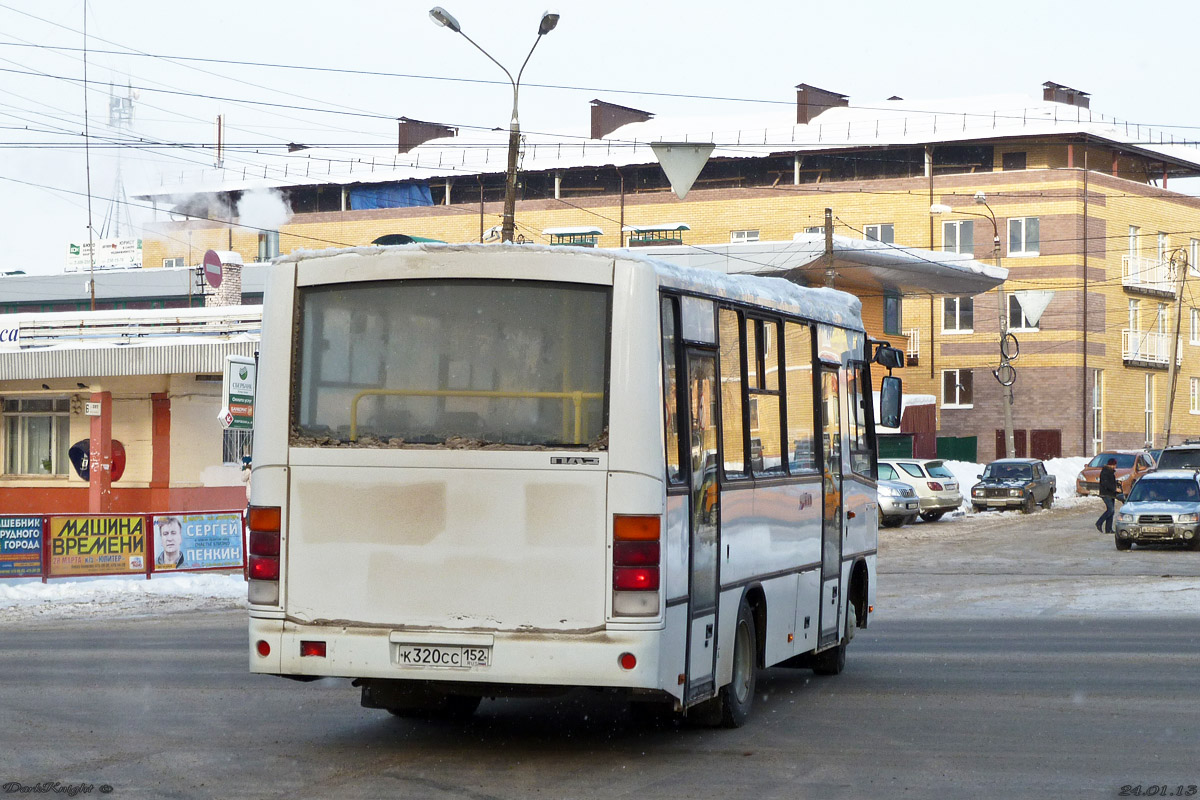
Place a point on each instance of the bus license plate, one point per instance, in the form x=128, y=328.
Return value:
x=443, y=656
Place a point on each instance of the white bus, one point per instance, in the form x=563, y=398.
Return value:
x=487, y=471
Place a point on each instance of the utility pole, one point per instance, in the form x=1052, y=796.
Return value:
x=1180, y=262
x=829, y=247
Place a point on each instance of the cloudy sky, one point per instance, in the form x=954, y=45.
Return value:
x=294, y=72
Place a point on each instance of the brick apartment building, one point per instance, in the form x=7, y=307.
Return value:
x=1079, y=202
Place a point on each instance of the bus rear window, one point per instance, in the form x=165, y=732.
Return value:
x=462, y=363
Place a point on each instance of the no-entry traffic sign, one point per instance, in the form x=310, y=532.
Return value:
x=212, y=268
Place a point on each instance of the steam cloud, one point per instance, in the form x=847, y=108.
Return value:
x=263, y=209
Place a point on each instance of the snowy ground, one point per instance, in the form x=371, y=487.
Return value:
x=24, y=600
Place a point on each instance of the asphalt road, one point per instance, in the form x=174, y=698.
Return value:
x=1064, y=705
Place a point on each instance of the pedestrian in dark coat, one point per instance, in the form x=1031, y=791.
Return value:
x=1109, y=489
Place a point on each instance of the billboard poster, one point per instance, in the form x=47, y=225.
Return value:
x=110, y=254
x=197, y=541
x=97, y=545
x=20, y=547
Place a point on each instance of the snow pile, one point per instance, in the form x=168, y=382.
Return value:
x=1064, y=470
x=29, y=597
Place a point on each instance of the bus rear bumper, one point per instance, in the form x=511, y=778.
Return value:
x=491, y=659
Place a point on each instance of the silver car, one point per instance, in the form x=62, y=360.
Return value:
x=898, y=504
x=1163, y=506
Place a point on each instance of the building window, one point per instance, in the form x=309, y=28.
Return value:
x=742, y=236
x=1023, y=236
x=268, y=245
x=957, y=388
x=36, y=434
x=1135, y=236
x=1194, y=335
x=1194, y=402
x=892, y=316
x=1011, y=161
x=1164, y=245
x=1017, y=321
x=1194, y=257
x=958, y=314
x=958, y=236
x=178, y=261
x=236, y=444
x=1097, y=411
x=1149, y=410
x=885, y=232
x=815, y=229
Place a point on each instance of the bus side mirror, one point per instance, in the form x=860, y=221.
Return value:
x=890, y=393
x=889, y=357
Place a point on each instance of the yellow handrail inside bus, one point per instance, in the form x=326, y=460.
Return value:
x=576, y=397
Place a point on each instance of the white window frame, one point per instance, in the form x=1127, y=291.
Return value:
x=958, y=301
x=1135, y=240
x=736, y=237
x=1023, y=224
x=1164, y=246
x=1163, y=318
x=880, y=232
x=957, y=226
x=1097, y=411
x=1149, y=409
x=177, y=261
x=1194, y=395
x=1194, y=257
x=1194, y=326
x=16, y=437
x=1025, y=326
x=958, y=384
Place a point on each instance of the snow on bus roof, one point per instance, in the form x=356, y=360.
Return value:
x=830, y=306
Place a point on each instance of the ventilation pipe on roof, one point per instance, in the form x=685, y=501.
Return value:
x=1057, y=93
x=607, y=117
x=811, y=101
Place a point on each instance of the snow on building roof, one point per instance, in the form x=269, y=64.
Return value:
x=886, y=123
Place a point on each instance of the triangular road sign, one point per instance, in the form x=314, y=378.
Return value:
x=682, y=161
x=1033, y=303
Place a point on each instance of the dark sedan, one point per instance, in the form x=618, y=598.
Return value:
x=1014, y=483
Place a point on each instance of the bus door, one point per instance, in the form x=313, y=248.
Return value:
x=831, y=526
x=704, y=525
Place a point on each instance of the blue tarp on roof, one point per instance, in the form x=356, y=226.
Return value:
x=390, y=195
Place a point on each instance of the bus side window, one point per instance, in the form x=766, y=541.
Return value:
x=860, y=445
x=670, y=351
x=798, y=382
x=766, y=423
x=733, y=443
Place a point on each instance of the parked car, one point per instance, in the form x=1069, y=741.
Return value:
x=1131, y=465
x=898, y=504
x=1164, y=506
x=1014, y=483
x=936, y=487
x=1180, y=456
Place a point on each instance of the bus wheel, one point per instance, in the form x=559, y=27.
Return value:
x=738, y=696
x=450, y=706
x=833, y=660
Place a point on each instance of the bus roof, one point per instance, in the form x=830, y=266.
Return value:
x=829, y=306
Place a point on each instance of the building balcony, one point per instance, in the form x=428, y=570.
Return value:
x=1153, y=276
x=1146, y=349
x=913, y=351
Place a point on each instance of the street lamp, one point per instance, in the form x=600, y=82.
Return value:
x=1006, y=392
x=549, y=20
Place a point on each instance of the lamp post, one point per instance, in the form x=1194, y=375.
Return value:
x=549, y=20
x=1006, y=393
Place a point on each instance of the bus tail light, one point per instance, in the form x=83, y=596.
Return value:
x=265, y=524
x=637, y=556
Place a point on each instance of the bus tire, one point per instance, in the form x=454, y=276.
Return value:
x=833, y=660
x=737, y=697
